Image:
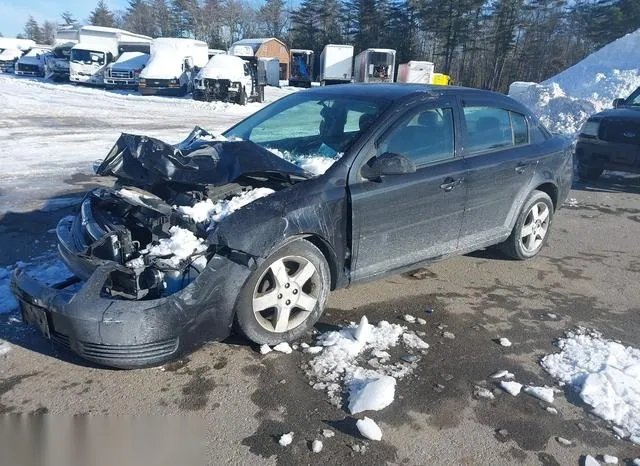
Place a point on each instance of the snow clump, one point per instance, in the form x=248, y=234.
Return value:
x=512, y=388
x=605, y=374
x=286, y=439
x=369, y=429
x=541, y=393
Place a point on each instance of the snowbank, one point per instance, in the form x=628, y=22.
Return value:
x=605, y=374
x=566, y=100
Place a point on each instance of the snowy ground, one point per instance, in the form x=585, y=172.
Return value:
x=50, y=132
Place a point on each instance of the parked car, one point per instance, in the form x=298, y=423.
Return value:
x=34, y=62
x=610, y=140
x=220, y=230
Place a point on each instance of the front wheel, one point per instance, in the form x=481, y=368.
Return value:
x=531, y=230
x=284, y=297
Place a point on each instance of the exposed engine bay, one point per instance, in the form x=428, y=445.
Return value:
x=152, y=226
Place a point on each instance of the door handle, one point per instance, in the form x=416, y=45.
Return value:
x=521, y=167
x=449, y=183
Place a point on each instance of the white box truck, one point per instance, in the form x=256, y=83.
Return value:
x=98, y=46
x=375, y=66
x=419, y=72
x=173, y=66
x=336, y=64
x=10, y=50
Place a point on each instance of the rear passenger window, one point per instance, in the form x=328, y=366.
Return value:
x=520, y=129
x=488, y=128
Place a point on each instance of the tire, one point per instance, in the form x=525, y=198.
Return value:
x=589, y=172
x=270, y=312
x=242, y=97
x=535, y=218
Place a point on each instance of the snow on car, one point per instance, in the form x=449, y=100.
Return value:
x=225, y=77
x=157, y=279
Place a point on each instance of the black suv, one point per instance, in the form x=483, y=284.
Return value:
x=610, y=140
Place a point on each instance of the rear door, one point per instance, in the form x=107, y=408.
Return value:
x=400, y=220
x=501, y=163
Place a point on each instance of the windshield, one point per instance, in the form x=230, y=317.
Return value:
x=634, y=98
x=310, y=124
x=87, y=57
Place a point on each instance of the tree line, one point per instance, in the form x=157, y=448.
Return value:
x=480, y=43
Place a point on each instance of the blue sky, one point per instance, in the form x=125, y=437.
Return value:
x=13, y=14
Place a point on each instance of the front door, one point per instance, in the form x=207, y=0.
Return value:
x=399, y=220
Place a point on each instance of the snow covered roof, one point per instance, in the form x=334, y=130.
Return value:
x=254, y=43
x=380, y=50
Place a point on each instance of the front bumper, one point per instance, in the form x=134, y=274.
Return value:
x=168, y=91
x=129, y=334
x=121, y=83
x=608, y=155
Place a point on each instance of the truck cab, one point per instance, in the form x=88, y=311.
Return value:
x=57, y=66
x=11, y=50
x=125, y=71
x=87, y=63
x=173, y=66
x=226, y=78
x=33, y=63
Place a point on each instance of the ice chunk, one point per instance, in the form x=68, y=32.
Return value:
x=363, y=331
x=542, y=393
x=328, y=433
x=512, y=388
x=564, y=441
x=482, y=392
x=313, y=349
x=505, y=342
x=316, y=446
x=181, y=245
x=610, y=459
x=421, y=321
x=283, y=348
x=448, y=335
x=413, y=341
x=552, y=410
x=286, y=439
x=264, y=349
x=369, y=429
x=409, y=318
x=502, y=374
x=591, y=461
x=371, y=395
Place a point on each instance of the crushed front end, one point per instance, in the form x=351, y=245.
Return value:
x=147, y=285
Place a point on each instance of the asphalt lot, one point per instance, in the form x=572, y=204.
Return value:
x=241, y=401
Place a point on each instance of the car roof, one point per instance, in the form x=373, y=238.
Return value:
x=398, y=91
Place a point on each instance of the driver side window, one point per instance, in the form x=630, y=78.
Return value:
x=423, y=135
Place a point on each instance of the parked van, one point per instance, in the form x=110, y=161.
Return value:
x=125, y=71
x=173, y=66
x=375, y=66
x=98, y=47
x=420, y=72
x=11, y=50
x=33, y=62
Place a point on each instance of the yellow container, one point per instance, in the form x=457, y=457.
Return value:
x=441, y=79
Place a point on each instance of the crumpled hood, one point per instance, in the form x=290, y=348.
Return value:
x=201, y=159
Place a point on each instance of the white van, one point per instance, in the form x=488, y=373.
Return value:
x=33, y=63
x=173, y=66
x=98, y=47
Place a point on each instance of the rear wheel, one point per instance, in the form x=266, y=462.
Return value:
x=285, y=296
x=589, y=172
x=531, y=230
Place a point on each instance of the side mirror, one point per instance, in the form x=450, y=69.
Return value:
x=387, y=164
x=618, y=103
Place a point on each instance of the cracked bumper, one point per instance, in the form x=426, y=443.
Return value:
x=128, y=334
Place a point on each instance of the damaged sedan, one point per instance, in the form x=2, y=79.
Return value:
x=322, y=189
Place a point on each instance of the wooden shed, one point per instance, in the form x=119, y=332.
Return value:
x=264, y=48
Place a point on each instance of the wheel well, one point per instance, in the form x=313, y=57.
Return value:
x=552, y=192
x=328, y=254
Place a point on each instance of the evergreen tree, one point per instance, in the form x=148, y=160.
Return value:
x=102, y=16
x=139, y=18
x=49, y=32
x=33, y=31
x=68, y=19
x=273, y=17
x=164, y=21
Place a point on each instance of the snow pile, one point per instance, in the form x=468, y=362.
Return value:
x=605, y=374
x=316, y=164
x=564, y=101
x=369, y=429
x=212, y=212
x=181, y=245
x=340, y=366
x=46, y=268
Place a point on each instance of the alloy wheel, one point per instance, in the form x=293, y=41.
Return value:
x=535, y=227
x=286, y=294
